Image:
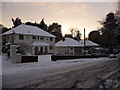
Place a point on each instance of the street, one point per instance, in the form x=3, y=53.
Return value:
x=86, y=75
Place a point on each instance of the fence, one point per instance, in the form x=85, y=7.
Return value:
x=55, y=57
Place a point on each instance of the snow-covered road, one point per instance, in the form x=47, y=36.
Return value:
x=22, y=75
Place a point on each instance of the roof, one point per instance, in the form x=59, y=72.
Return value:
x=69, y=42
x=28, y=30
x=40, y=44
x=88, y=43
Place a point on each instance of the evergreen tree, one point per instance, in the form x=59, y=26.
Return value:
x=43, y=25
x=109, y=31
x=16, y=22
x=94, y=36
x=55, y=29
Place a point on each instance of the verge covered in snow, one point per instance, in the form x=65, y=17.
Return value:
x=44, y=65
x=0, y=65
x=28, y=30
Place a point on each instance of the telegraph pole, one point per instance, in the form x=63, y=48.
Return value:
x=84, y=42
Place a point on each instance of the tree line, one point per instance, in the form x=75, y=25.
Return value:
x=109, y=34
x=53, y=28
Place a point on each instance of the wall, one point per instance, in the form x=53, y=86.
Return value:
x=78, y=50
x=15, y=58
x=61, y=50
x=44, y=58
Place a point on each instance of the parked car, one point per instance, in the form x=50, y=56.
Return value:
x=112, y=56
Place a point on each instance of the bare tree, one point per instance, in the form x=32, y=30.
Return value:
x=75, y=33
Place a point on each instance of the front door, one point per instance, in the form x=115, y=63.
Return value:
x=41, y=50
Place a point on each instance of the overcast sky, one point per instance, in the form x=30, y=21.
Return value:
x=69, y=14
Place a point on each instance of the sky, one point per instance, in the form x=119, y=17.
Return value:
x=78, y=15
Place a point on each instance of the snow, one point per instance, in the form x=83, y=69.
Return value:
x=40, y=44
x=1, y=72
x=44, y=65
x=88, y=43
x=69, y=42
x=28, y=30
x=0, y=65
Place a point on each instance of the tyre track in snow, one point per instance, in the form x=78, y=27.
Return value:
x=85, y=77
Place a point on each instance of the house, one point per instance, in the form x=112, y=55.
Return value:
x=71, y=46
x=31, y=39
x=68, y=46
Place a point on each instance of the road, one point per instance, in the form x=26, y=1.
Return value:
x=87, y=75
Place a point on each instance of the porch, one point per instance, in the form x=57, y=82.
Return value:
x=40, y=48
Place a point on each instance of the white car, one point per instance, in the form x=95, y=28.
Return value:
x=112, y=56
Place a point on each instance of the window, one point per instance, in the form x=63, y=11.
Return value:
x=34, y=37
x=38, y=37
x=51, y=39
x=27, y=37
x=71, y=48
x=42, y=38
x=27, y=49
x=51, y=47
x=21, y=37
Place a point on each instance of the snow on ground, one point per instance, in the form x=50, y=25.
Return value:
x=0, y=65
x=43, y=65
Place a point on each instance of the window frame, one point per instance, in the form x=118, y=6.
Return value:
x=51, y=39
x=21, y=37
x=33, y=37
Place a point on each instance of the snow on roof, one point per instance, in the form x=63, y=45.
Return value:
x=40, y=44
x=88, y=43
x=69, y=42
x=29, y=30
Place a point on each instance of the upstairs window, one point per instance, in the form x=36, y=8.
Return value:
x=34, y=37
x=21, y=37
x=71, y=48
x=51, y=39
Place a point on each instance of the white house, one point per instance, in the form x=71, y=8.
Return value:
x=32, y=39
x=71, y=46
x=68, y=46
